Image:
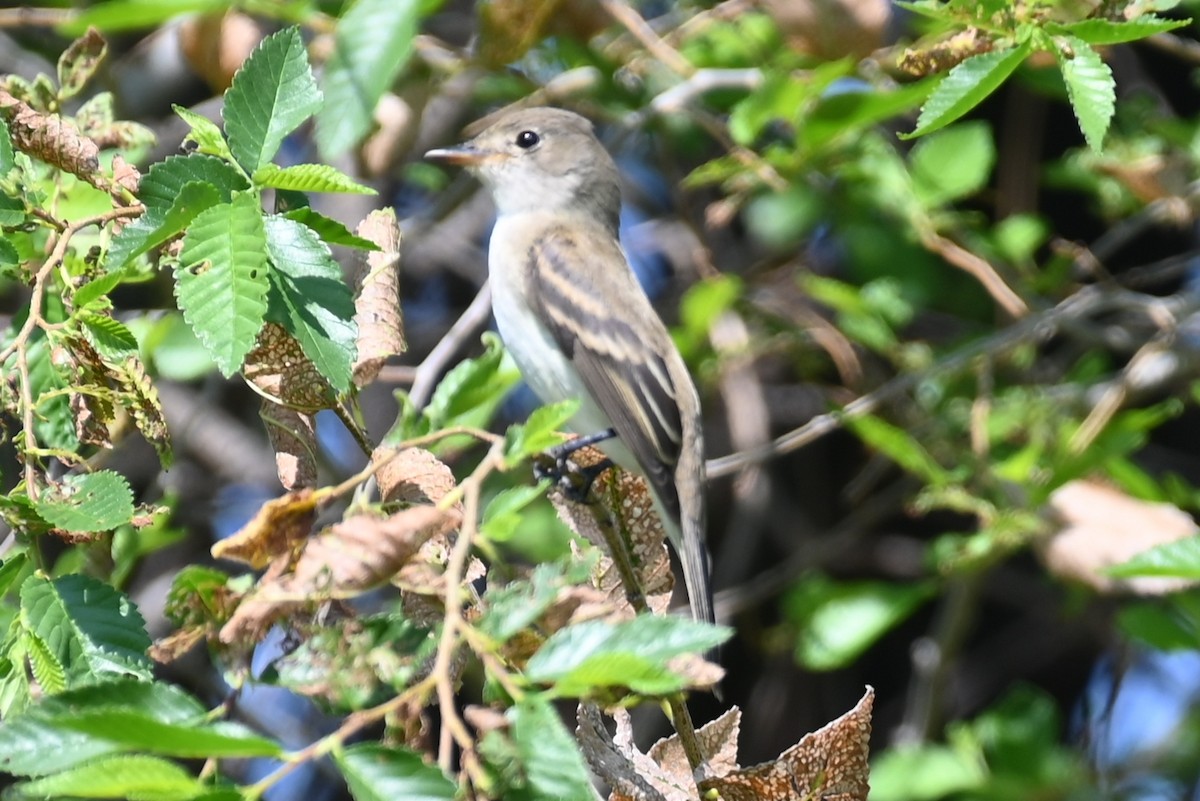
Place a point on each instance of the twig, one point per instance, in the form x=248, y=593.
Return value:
x=430, y=370
x=452, y=725
x=1084, y=302
x=979, y=268
x=625, y=14
x=702, y=81
x=20, y=342
x=330, y=742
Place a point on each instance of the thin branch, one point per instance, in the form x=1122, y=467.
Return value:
x=632, y=21
x=430, y=370
x=1087, y=301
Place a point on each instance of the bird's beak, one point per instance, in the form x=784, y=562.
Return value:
x=461, y=156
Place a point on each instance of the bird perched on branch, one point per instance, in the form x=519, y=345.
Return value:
x=577, y=323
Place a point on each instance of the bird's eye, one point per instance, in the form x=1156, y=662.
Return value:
x=527, y=139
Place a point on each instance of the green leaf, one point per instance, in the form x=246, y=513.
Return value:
x=310, y=299
x=540, y=431
x=36, y=743
x=152, y=229
x=133, y=777
x=1179, y=559
x=272, y=94
x=503, y=514
x=471, y=391
x=925, y=773
x=125, y=15
x=839, y=621
x=222, y=282
x=87, y=502
x=899, y=446
x=547, y=752
x=1090, y=86
x=134, y=730
x=965, y=87
x=843, y=114
x=50, y=674
x=372, y=42
x=112, y=338
x=93, y=291
x=516, y=605
x=309, y=178
x=1109, y=32
x=1160, y=625
x=953, y=163
x=778, y=99
x=93, y=630
x=631, y=654
x=164, y=181
x=11, y=569
x=205, y=133
x=331, y=231
x=376, y=773
x=7, y=157
x=9, y=257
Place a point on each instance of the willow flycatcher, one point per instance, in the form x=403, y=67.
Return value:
x=577, y=323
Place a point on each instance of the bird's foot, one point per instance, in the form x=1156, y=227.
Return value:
x=556, y=466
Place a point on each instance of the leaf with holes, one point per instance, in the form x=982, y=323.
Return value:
x=93, y=502
x=310, y=299
x=153, y=228
x=222, y=281
x=272, y=94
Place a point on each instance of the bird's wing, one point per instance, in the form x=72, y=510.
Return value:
x=604, y=323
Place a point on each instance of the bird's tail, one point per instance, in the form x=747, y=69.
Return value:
x=693, y=554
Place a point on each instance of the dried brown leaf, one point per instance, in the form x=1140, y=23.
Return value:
x=1102, y=526
x=278, y=370
x=176, y=644
x=79, y=61
x=293, y=438
x=414, y=475
x=280, y=526
x=944, y=55
x=52, y=139
x=348, y=558
x=624, y=510
x=377, y=300
x=140, y=396
x=830, y=764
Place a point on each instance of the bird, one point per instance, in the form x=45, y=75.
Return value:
x=577, y=323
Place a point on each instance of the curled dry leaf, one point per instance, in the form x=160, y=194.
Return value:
x=141, y=398
x=625, y=510
x=278, y=529
x=278, y=370
x=293, y=438
x=1101, y=527
x=663, y=773
x=53, y=140
x=377, y=302
x=830, y=763
x=412, y=475
x=350, y=557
